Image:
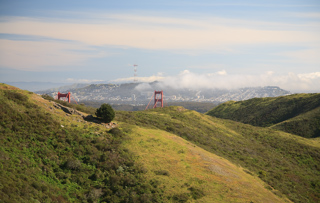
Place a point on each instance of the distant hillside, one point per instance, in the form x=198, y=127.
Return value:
x=141, y=93
x=305, y=124
x=297, y=114
x=63, y=88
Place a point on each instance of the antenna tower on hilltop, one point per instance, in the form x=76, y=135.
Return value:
x=135, y=73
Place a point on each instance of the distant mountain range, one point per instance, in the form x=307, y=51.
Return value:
x=141, y=93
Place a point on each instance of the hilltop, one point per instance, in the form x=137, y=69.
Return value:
x=297, y=114
x=161, y=155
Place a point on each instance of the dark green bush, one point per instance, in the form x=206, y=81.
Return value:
x=105, y=112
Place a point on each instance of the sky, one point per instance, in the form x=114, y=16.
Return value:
x=183, y=43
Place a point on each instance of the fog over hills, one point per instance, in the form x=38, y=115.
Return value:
x=141, y=93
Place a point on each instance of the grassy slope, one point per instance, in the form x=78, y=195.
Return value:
x=288, y=163
x=305, y=125
x=187, y=166
x=266, y=112
x=49, y=156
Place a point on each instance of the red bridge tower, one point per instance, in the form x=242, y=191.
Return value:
x=67, y=96
x=158, y=100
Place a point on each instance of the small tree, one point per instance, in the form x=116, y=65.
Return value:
x=105, y=112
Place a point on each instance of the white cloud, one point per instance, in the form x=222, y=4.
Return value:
x=307, y=82
x=178, y=35
x=223, y=72
x=150, y=32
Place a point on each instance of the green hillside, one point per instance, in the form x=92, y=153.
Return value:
x=305, y=125
x=288, y=163
x=47, y=155
x=297, y=114
x=160, y=155
x=184, y=169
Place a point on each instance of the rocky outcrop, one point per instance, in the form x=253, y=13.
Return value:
x=86, y=118
x=67, y=109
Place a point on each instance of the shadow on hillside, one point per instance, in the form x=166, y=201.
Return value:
x=92, y=119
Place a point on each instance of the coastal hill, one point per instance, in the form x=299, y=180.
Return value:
x=298, y=113
x=52, y=151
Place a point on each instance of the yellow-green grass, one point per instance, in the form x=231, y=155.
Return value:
x=190, y=166
x=285, y=161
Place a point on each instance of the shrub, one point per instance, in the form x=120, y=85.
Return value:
x=73, y=164
x=105, y=112
x=183, y=197
x=262, y=173
x=47, y=97
x=116, y=132
x=94, y=195
x=196, y=193
x=162, y=172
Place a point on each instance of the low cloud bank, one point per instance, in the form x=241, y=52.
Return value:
x=296, y=83
x=308, y=82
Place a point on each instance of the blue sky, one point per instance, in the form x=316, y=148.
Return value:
x=183, y=43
